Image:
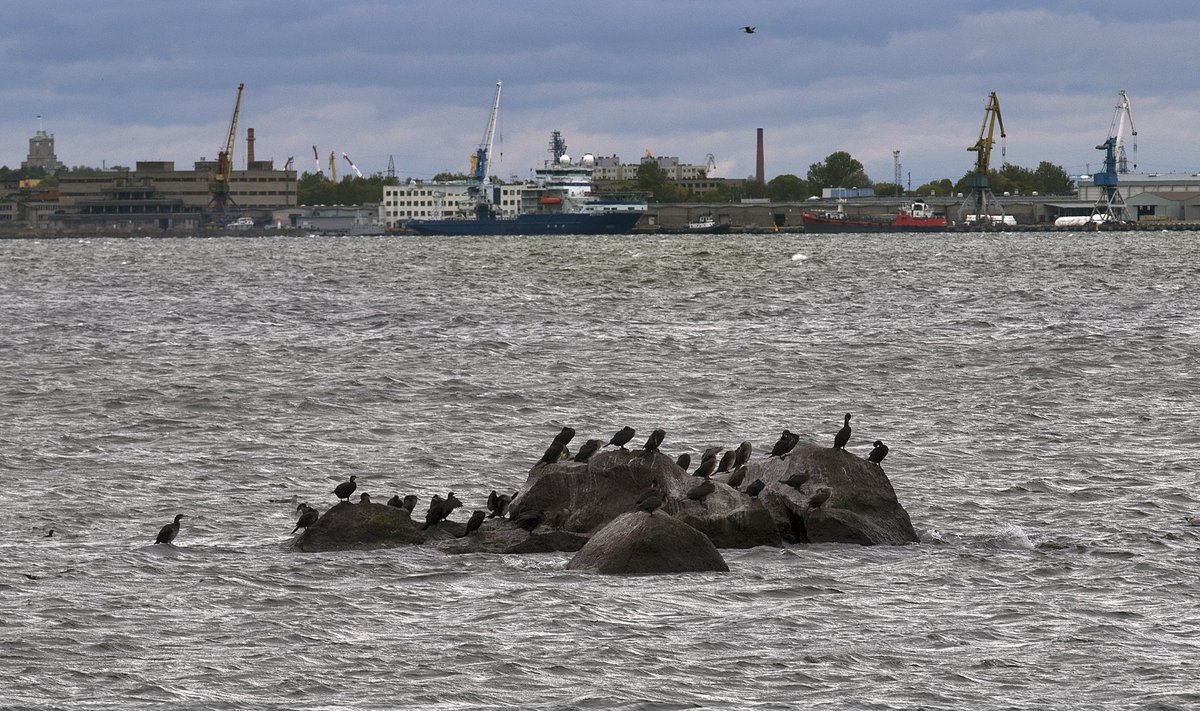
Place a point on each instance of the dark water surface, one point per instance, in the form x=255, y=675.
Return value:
x=1039, y=394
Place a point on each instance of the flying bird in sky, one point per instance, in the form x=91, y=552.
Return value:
x=748, y=29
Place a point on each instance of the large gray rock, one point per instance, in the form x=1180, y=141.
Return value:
x=347, y=526
x=587, y=496
x=643, y=543
x=862, y=506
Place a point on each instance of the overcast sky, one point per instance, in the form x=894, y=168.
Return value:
x=118, y=82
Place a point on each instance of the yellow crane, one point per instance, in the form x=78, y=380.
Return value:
x=218, y=186
x=981, y=201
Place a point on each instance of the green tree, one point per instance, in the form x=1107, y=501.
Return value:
x=888, y=190
x=838, y=170
x=1051, y=179
x=941, y=187
x=787, y=188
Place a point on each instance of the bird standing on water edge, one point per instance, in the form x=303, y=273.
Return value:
x=168, y=532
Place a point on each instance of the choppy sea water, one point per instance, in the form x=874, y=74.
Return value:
x=1038, y=392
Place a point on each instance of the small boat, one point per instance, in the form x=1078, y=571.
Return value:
x=706, y=224
x=917, y=217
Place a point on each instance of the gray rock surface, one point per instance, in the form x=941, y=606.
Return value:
x=640, y=543
x=348, y=526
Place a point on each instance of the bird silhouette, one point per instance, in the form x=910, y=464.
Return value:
x=622, y=437
x=843, y=435
x=345, y=489
x=749, y=29
x=878, y=453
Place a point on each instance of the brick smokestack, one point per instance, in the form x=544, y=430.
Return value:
x=249, y=147
x=759, y=172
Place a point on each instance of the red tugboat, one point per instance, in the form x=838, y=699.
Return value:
x=917, y=217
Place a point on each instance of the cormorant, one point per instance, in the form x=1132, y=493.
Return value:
x=395, y=501
x=345, y=489
x=743, y=454
x=727, y=460
x=553, y=453
x=651, y=499
x=787, y=441
x=364, y=498
x=749, y=29
x=450, y=504
x=473, y=523
x=755, y=488
x=701, y=490
x=843, y=435
x=589, y=448
x=622, y=437
x=684, y=461
x=308, y=516
x=878, y=453
x=707, y=466
x=820, y=497
x=528, y=520
x=498, y=503
x=410, y=502
x=168, y=532
x=564, y=437
x=711, y=452
x=796, y=480
x=656, y=438
x=50, y=533
x=435, y=512
x=736, y=478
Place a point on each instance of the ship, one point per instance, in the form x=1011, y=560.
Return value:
x=917, y=217
x=559, y=201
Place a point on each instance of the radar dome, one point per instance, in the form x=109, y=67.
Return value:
x=564, y=159
x=589, y=160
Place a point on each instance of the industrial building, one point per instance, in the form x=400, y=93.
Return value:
x=432, y=201
x=1152, y=196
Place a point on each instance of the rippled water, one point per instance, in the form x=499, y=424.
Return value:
x=1038, y=393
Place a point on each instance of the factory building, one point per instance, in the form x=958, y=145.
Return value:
x=432, y=201
x=1153, y=196
x=611, y=169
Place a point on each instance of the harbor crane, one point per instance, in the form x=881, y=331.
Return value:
x=481, y=162
x=981, y=200
x=352, y=166
x=1110, y=206
x=218, y=185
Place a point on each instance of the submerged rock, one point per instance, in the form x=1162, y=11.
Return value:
x=640, y=543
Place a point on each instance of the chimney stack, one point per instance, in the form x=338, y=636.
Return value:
x=759, y=173
x=249, y=147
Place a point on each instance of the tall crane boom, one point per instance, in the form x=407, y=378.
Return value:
x=219, y=184
x=483, y=154
x=981, y=203
x=1110, y=206
x=1117, y=130
x=983, y=147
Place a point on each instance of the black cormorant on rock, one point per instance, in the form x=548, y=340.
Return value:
x=737, y=477
x=308, y=516
x=820, y=497
x=589, y=448
x=498, y=503
x=878, y=453
x=796, y=480
x=410, y=502
x=727, y=460
x=436, y=511
x=167, y=533
x=396, y=501
x=450, y=504
x=553, y=453
x=656, y=438
x=364, y=498
x=564, y=437
x=622, y=437
x=701, y=490
x=843, y=435
x=708, y=465
x=711, y=452
x=345, y=489
x=650, y=500
x=743, y=454
x=755, y=488
x=474, y=523
x=684, y=461
x=787, y=441
x=529, y=520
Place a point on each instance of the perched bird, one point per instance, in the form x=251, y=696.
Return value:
x=308, y=516
x=167, y=533
x=727, y=460
x=395, y=501
x=435, y=513
x=684, y=461
x=564, y=436
x=707, y=466
x=622, y=437
x=410, y=502
x=656, y=438
x=528, y=520
x=474, y=523
x=701, y=490
x=743, y=454
x=498, y=503
x=820, y=497
x=787, y=441
x=749, y=29
x=755, y=488
x=736, y=478
x=878, y=453
x=843, y=435
x=589, y=448
x=49, y=534
x=345, y=489
x=796, y=480
x=651, y=499
x=450, y=504
x=364, y=498
x=553, y=453
x=711, y=452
